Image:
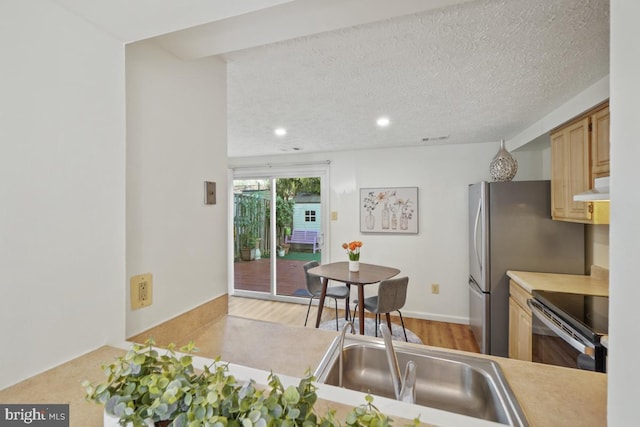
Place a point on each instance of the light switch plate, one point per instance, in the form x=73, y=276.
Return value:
x=209, y=193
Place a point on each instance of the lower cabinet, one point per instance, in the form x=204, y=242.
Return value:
x=519, y=323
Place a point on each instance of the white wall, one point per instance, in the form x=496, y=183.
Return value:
x=176, y=140
x=439, y=252
x=62, y=129
x=624, y=317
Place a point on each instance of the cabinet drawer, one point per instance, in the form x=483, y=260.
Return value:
x=519, y=295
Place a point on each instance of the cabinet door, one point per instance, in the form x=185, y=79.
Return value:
x=580, y=167
x=559, y=173
x=519, y=332
x=526, y=348
x=570, y=171
x=600, y=143
x=514, y=329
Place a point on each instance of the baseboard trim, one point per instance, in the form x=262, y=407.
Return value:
x=185, y=323
x=329, y=303
x=436, y=317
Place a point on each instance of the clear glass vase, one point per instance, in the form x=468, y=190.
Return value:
x=404, y=221
x=369, y=221
x=385, y=217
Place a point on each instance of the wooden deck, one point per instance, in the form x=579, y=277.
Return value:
x=255, y=275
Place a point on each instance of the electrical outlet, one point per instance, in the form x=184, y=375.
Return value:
x=435, y=288
x=334, y=216
x=141, y=291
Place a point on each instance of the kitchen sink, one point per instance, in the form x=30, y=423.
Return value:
x=453, y=382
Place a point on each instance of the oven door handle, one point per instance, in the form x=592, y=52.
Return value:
x=543, y=317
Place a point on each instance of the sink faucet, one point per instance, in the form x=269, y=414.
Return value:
x=404, y=386
x=342, y=334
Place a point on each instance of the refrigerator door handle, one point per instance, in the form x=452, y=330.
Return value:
x=475, y=234
x=474, y=287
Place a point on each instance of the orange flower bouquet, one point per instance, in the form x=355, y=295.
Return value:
x=353, y=250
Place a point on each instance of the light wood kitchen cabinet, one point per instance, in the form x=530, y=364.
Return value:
x=579, y=154
x=600, y=144
x=519, y=323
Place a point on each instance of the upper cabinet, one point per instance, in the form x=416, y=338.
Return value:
x=600, y=144
x=579, y=154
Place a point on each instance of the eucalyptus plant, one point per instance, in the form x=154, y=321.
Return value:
x=144, y=385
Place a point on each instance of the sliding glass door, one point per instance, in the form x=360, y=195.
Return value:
x=252, y=235
x=270, y=250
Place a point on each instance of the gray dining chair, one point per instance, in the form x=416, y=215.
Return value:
x=314, y=289
x=392, y=295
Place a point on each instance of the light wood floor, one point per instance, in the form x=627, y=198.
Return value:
x=439, y=334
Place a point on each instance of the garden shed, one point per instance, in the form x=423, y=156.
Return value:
x=307, y=212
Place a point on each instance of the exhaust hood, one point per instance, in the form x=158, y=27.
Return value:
x=600, y=192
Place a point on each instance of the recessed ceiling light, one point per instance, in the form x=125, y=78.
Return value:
x=280, y=131
x=383, y=122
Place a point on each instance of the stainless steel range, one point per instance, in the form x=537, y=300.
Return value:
x=567, y=329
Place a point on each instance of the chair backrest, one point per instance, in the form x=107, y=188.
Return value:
x=314, y=283
x=392, y=294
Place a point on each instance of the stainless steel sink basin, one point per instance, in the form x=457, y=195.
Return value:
x=462, y=384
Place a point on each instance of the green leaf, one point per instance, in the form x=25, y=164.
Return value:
x=291, y=395
x=162, y=410
x=254, y=415
x=294, y=413
x=163, y=382
x=352, y=418
x=200, y=413
x=180, y=420
x=276, y=411
x=119, y=409
x=212, y=397
x=186, y=361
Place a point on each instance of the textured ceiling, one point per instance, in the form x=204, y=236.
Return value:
x=476, y=72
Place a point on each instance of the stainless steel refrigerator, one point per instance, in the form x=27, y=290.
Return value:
x=510, y=228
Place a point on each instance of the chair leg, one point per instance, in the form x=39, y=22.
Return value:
x=376, y=322
x=388, y=316
x=308, y=309
x=355, y=308
x=403, y=329
x=337, y=327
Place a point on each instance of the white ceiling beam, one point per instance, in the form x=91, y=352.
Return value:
x=134, y=20
x=287, y=21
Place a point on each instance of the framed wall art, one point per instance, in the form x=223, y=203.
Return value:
x=389, y=210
